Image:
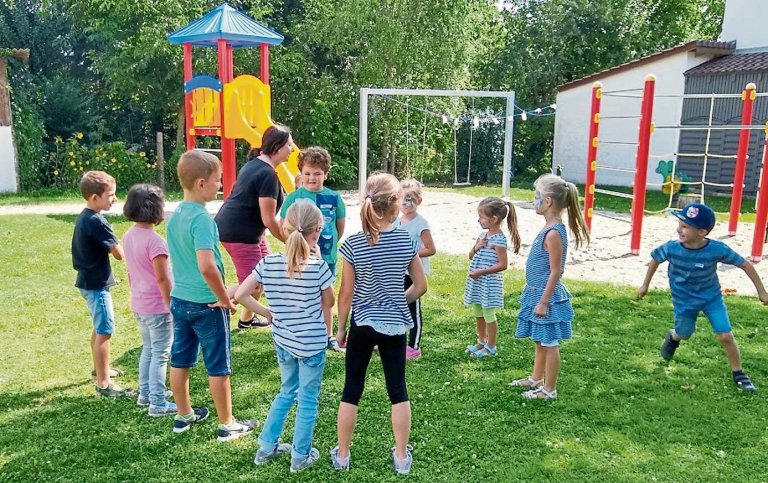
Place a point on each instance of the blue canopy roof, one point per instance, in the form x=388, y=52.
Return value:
x=228, y=23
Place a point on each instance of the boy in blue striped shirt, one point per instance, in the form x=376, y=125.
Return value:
x=693, y=260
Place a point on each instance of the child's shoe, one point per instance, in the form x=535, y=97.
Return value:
x=236, y=429
x=262, y=458
x=166, y=409
x=113, y=390
x=472, y=349
x=403, y=467
x=486, y=351
x=529, y=382
x=541, y=393
x=333, y=344
x=143, y=401
x=182, y=423
x=304, y=463
x=411, y=353
x=338, y=463
x=669, y=346
x=743, y=382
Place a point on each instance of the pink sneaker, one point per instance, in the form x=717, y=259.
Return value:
x=411, y=353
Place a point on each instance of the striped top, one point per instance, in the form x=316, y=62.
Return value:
x=693, y=272
x=379, y=294
x=297, y=317
x=486, y=290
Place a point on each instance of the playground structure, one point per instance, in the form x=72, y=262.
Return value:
x=672, y=182
x=230, y=107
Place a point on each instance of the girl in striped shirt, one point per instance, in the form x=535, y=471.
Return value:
x=298, y=288
x=484, y=291
x=545, y=305
x=374, y=300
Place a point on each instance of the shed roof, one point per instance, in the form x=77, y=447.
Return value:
x=228, y=23
x=757, y=61
x=700, y=46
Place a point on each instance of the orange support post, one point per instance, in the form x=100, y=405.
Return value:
x=227, y=145
x=758, y=238
x=589, y=182
x=264, y=59
x=747, y=107
x=641, y=163
x=189, y=132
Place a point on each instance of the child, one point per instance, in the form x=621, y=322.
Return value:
x=374, y=265
x=314, y=164
x=545, y=304
x=146, y=257
x=200, y=304
x=298, y=288
x=92, y=242
x=484, y=291
x=693, y=260
x=416, y=226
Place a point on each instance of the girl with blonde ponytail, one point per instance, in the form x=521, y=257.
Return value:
x=298, y=287
x=546, y=313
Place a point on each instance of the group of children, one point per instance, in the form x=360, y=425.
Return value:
x=182, y=304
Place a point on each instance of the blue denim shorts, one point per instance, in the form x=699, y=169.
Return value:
x=196, y=325
x=716, y=312
x=101, y=309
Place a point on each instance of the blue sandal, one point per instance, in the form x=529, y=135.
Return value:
x=472, y=349
x=490, y=352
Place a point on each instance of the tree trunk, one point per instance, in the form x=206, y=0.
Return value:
x=181, y=127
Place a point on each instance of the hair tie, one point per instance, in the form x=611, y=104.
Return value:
x=507, y=207
x=368, y=196
x=299, y=229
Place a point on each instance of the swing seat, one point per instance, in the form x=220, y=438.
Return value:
x=465, y=183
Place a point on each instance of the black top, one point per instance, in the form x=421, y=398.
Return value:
x=239, y=219
x=91, y=242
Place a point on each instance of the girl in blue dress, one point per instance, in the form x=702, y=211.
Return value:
x=545, y=305
x=484, y=291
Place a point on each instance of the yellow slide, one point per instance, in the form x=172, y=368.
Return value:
x=248, y=114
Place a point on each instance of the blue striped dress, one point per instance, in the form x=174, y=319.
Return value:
x=487, y=290
x=556, y=326
x=379, y=297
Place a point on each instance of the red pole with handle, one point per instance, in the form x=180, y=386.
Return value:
x=747, y=107
x=758, y=239
x=641, y=163
x=589, y=182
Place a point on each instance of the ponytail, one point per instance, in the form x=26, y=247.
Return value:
x=575, y=218
x=369, y=220
x=296, y=253
x=301, y=219
x=382, y=193
x=514, y=235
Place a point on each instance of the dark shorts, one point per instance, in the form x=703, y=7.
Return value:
x=196, y=325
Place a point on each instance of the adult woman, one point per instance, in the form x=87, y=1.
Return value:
x=252, y=207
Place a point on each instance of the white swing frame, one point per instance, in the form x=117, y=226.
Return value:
x=365, y=92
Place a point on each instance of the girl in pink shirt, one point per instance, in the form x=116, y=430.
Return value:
x=149, y=275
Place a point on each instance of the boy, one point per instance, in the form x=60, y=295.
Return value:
x=92, y=242
x=695, y=288
x=314, y=164
x=200, y=304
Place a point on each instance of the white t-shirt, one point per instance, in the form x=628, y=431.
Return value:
x=414, y=228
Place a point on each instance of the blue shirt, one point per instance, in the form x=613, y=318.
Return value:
x=379, y=294
x=693, y=272
x=333, y=209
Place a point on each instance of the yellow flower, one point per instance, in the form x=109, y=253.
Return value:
x=142, y=154
x=81, y=168
x=88, y=163
x=56, y=172
x=72, y=154
x=72, y=163
x=57, y=139
x=79, y=135
x=154, y=165
x=114, y=160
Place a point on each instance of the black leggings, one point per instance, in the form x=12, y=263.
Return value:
x=360, y=342
x=414, y=337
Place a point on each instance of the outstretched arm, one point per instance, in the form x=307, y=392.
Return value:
x=749, y=269
x=643, y=289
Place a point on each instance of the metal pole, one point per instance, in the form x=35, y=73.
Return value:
x=589, y=183
x=641, y=164
x=761, y=219
x=362, y=170
x=747, y=108
x=509, y=132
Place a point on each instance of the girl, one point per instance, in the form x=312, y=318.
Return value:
x=545, y=304
x=149, y=277
x=375, y=263
x=416, y=226
x=298, y=288
x=484, y=290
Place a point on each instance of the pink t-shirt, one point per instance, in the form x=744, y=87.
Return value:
x=141, y=246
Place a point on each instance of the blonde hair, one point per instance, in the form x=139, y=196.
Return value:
x=301, y=218
x=194, y=165
x=565, y=195
x=382, y=193
x=95, y=183
x=412, y=187
x=497, y=208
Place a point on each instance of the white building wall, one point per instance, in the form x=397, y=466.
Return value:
x=572, y=121
x=8, y=164
x=744, y=21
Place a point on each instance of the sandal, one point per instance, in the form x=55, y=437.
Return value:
x=541, y=393
x=489, y=352
x=528, y=382
x=744, y=383
x=472, y=349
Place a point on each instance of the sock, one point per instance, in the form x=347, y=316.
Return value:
x=186, y=417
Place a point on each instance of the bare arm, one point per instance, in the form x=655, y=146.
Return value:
x=327, y=299
x=117, y=252
x=267, y=210
x=345, y=300
x=340, y=224
x=244, y=295
x=643, y=289
x=500, y=266
x=419, y=287
x=481, y=242
x=160, y=267
x=427, y=244
x=210, y=272
x=749, y=269
x=554, y=246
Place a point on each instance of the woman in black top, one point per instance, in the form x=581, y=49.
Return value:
x=252, y=207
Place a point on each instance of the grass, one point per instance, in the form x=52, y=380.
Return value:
x=623, y=414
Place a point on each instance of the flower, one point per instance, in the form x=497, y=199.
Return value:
x=79, y=135
x=81, y=168
x=114, y=160
x=71, y=154
x=57, y=140
x=72, y=163
x=142, y=154
x=56, y=172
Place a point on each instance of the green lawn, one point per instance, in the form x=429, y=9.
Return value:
x=623, y=414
